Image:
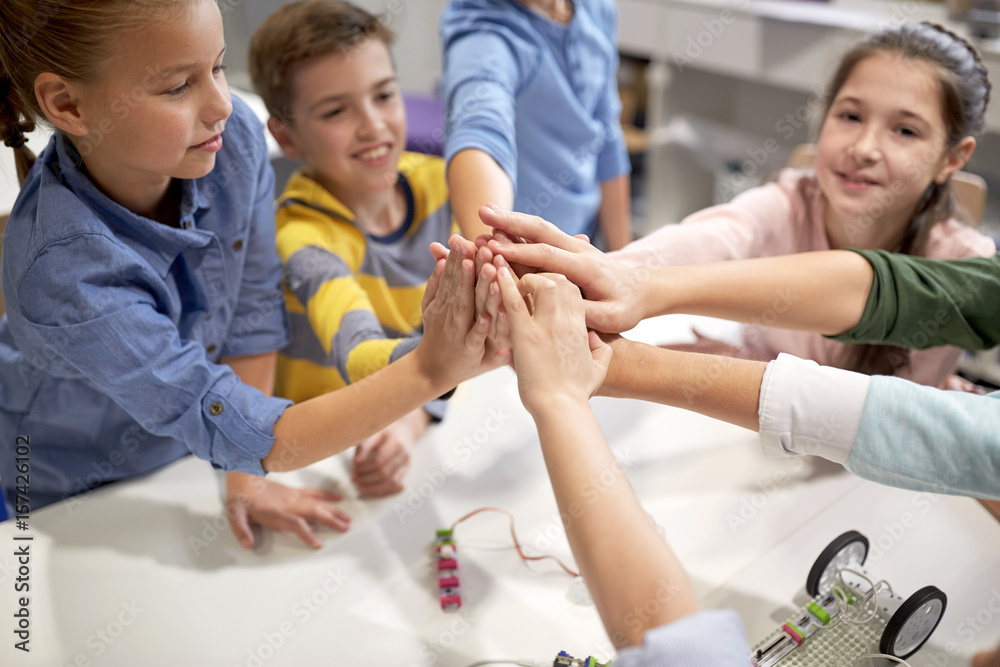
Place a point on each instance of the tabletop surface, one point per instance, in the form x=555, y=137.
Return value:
x=146, y=572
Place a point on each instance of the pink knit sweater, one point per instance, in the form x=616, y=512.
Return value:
x=779, y=219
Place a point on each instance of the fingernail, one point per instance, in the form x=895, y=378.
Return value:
x=495, y=208
x=504, y=273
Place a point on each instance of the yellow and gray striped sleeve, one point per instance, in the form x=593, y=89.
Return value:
x=346, y=333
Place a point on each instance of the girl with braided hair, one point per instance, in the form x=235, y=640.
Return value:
x=142, y=281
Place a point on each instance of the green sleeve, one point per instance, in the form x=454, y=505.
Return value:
x=918, y=303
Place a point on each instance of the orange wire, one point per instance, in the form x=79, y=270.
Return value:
x=517, y=545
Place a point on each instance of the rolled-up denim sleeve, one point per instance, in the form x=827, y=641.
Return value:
x=259, y=323
x=100, y=322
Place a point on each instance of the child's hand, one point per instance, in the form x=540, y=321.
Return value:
x=613, y=302
x=382, y=461
x=488, y=300
x=259, y=500
x=554, y=354
x=454, y=342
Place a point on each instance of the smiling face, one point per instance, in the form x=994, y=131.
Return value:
x=348, y=122
x=161, y=104
x=882, y=143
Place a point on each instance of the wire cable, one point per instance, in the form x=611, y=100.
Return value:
x=843, y=613
x=513, y=535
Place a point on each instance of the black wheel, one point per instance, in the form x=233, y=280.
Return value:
x=851, y=548
x=914, y=622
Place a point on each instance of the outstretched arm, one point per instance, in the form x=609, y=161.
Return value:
x=452, y=349
x=721, y=387
x=800, y=407
x=475, y=178
x=820, y=291
x=621, y=555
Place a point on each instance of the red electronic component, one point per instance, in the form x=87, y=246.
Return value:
x=449, y=590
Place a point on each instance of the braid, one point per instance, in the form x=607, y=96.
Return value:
x=977, y=100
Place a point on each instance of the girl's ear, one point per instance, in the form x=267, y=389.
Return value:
x=60, y=101
x=955, y=159
x=285, y=138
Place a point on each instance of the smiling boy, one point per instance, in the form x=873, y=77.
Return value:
x=354, y=224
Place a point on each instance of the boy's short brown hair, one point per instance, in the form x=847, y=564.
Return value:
x=300, y=31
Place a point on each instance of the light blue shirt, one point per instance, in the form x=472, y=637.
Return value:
x=925, y=439
x=541, y=98
x=709, y=638
x=115, y=324
x=884, y=429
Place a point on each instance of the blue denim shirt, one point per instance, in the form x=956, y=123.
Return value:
x=115, y=324
x=541, y=99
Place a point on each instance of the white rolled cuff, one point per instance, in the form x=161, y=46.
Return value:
x=806, y=408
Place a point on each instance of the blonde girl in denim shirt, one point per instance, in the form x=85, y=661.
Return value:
x=142, y=284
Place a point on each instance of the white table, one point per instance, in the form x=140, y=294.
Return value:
x=146, y=572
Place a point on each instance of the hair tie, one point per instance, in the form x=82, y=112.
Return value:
x=15, y=141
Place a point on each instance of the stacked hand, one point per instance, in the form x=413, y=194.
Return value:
x=382, y=461
x=612, y=291
x=251, y=499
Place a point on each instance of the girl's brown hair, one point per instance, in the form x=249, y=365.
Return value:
x=965, y=94
x=68, y=38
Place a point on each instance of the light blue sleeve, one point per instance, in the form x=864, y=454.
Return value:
x=926, y=439
x=713, y=638
x=482, y=78
x=613, y=161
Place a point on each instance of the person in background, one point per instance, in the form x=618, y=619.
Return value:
x=533, y=114
x=144, y=304
x=902, y=113
x=354, y=223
